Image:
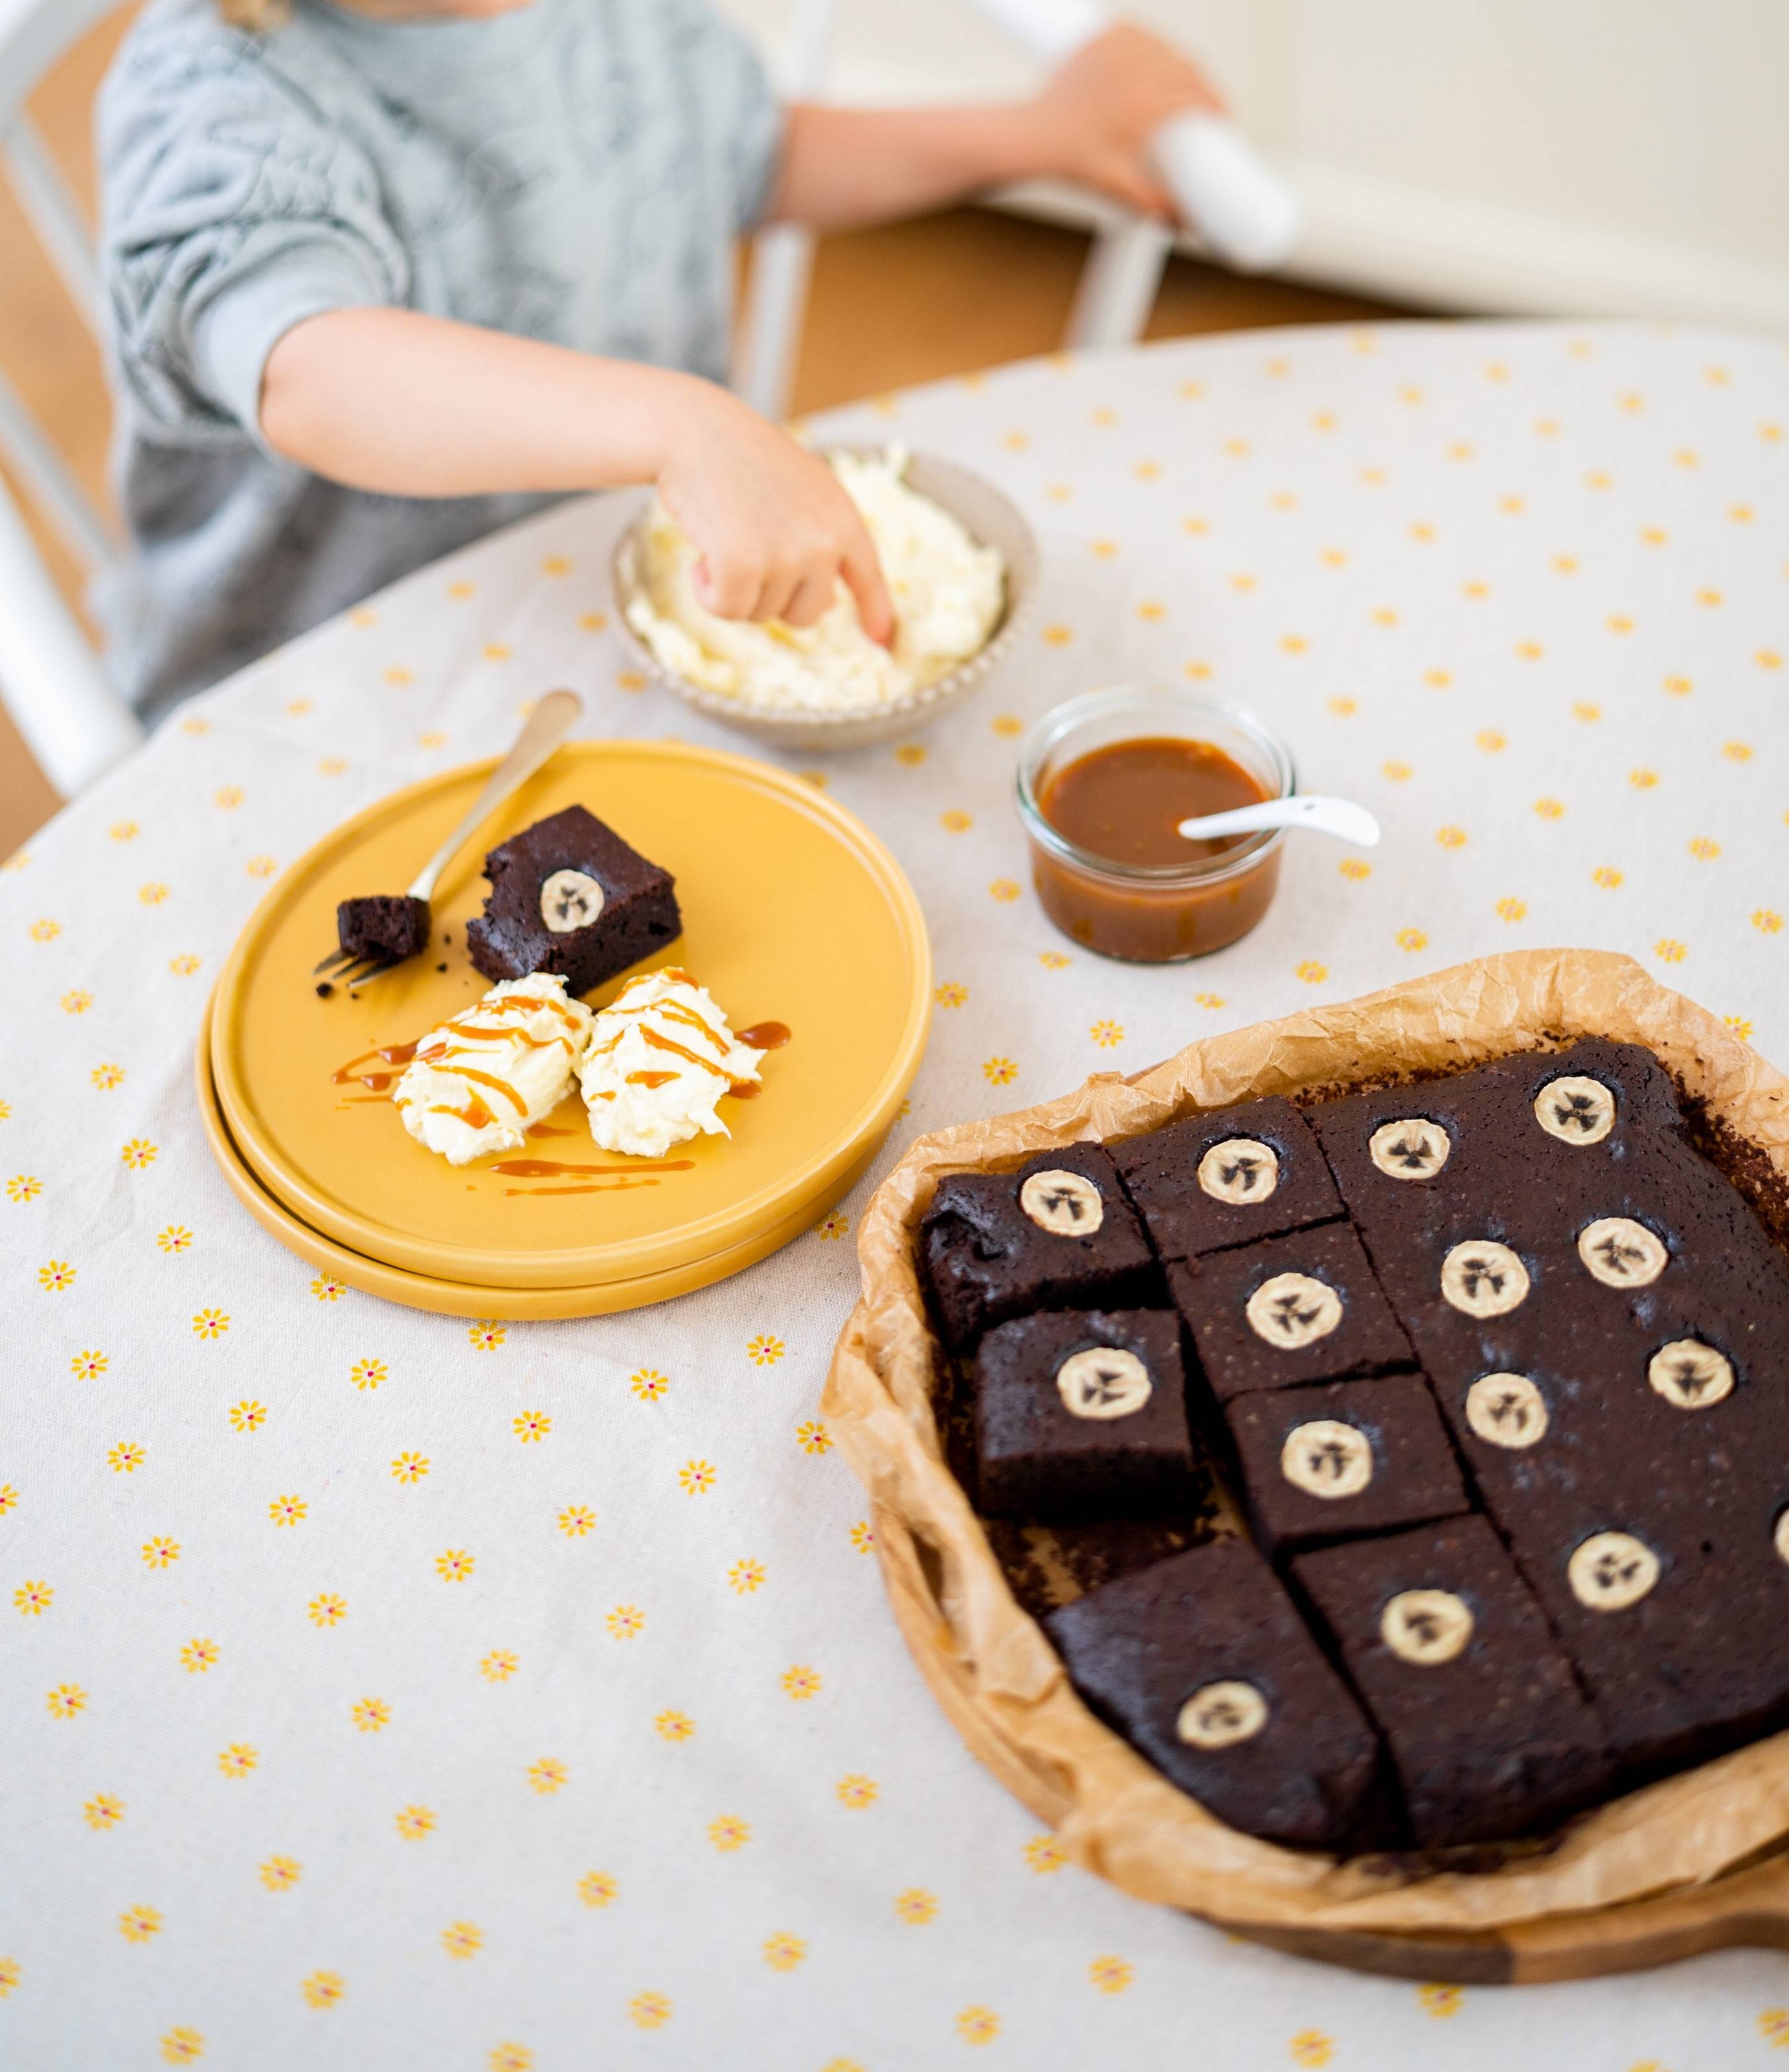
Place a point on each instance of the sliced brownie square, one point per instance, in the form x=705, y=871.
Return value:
x=1056, y=1234
x=1305, y=1307
x=1227, y=1178
x=569, y=895
x=1334, y=1460
x=1205, y=1667
x=1543, y=1126
x=1482, y=1718
x=1083, y=1414
x=1677, y=1620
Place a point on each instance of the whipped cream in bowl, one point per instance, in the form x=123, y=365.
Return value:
x=659, y=1059
x=477, y=1083
x=960, y=563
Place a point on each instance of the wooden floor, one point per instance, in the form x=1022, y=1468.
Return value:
x=993, y=287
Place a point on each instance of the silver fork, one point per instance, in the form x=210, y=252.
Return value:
x=547, y=724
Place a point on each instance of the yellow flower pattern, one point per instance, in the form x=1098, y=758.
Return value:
x=782, y=1953
x=649, y=2010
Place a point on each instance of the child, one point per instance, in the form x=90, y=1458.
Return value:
x=383, y=274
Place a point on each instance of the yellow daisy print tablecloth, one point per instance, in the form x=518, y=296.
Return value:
x=379, y=1690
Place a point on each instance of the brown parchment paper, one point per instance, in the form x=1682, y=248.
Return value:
x=988, y=1663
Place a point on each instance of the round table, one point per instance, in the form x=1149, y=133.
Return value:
x=381, y=1689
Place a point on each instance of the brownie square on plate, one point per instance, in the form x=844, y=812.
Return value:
x=1204, y=1666
x=1333, y=1460
x=1083, y=1414
x=1056, y=1234
x=568, y=895
x=1452, y=1657
x=1226, y=1178
x=1300, y=1308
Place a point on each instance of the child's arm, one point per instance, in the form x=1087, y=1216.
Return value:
x=411, y=405
x=1090, y=123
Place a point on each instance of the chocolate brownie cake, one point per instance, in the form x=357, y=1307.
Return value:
x=382, y=925
x=1056, y=1234
x=1226, y=1178
x=1203, y=1664
x=1083, y=1414
x=1300, y=1308
x=1334, y=1460
x=569, y=896
x=1553, y=1563
x=1450, y=1655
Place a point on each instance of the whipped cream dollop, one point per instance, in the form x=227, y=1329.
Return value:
x=659, y=1058
x=477, y=1082
x=948, y=594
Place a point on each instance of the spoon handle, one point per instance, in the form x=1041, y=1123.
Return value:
x=547, y=724
x=1340, y=817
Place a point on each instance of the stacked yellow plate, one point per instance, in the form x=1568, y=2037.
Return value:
x=793, y=912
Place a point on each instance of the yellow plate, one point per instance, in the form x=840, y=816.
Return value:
x=454, y=1298
x=793, y=912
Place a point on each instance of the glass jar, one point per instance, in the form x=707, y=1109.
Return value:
x=1151, y=913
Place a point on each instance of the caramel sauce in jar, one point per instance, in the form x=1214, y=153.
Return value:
x=1104, y=781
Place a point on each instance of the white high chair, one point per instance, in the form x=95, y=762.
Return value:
x=1244, y=214
x=50, y=681
x=73, y=721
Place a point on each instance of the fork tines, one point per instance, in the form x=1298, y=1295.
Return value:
x=376, y=967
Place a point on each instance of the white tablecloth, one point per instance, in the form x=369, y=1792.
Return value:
x=379, y=1692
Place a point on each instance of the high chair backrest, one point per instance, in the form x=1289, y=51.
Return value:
x=1119, y=280
x=75, y=724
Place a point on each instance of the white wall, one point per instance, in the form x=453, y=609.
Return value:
x=1556, y=156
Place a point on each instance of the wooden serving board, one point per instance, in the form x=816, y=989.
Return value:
x=1749, y=1906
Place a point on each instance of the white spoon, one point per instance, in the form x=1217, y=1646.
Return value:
x=1340, y=817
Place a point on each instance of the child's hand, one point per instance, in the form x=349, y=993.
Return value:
x=1102, y=106
x=774, y=530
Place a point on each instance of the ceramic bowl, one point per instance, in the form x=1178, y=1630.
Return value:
x=989, y=518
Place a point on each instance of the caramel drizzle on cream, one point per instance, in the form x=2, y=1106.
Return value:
x=465, y=1036
x=681, y=1049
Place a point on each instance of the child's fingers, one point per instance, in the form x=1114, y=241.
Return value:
x=729, y=585
x=863, y=578
x=811, y=599
x=1137, y=189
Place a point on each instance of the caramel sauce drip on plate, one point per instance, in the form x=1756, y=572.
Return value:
x=395, y=1055
x=596, y=1187
x=543, y=1169
x=764, y=1036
